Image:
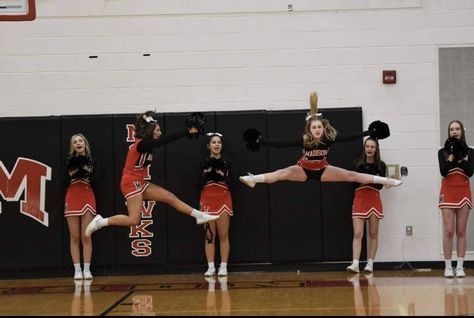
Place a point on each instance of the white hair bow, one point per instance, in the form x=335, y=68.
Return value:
x=149, y=119
x=212, y=134
x=314, y=115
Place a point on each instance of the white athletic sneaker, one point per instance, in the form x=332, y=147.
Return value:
x=460, y=272
x=205, y=218
x=368, y=268
x=78, y=275
x=88, y=275
x=94, y=225
x=353, y=268
x=448, y=272
x=248, y=180
x=210, y=272
x=222, y=272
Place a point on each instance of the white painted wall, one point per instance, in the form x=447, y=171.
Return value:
x=212, y=55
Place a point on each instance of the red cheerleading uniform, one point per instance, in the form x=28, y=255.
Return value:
x=367, y=200
x=215, y=197
x=314, y=159
x=139, y=157
x=80, y=197
x=455, y=187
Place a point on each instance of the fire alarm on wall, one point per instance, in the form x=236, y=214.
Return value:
x=389, y=77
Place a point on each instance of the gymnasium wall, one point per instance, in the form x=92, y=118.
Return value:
x=123, y=56
x=281, y=223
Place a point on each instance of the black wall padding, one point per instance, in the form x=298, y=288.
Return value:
x=337, y=197
x=249, y=227
x=99, y=132
x=25, y=242
x=281, y=222
x=295, y=207
x=183, y=161
x=124, y=243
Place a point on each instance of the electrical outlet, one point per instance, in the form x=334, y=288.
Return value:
x=409, y=230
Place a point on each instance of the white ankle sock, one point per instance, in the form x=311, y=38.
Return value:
x=370, y=262
x=259, y=178
x=460, y=263
x=355, y=262
x=380, y=180
x=448, y=263
x=104, y=222
x=87, y=267
x=223, y=265
x=211, y=265
x=196, y=214
x=77, y=267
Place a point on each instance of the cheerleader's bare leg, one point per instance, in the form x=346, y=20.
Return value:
x=153, y=192
x=86, y=241
x=292, y=173
x=223, y=232
x=358, y=225
x=448, y=232
x=210, y=247
x=336, y=174
x=462, y=215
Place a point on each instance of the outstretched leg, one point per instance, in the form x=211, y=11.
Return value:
x=134, y=206
x=292, y=173
x=336, y=174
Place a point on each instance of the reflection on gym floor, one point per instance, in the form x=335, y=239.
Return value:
x=246, y=293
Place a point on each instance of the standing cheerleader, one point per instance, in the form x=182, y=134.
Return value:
x=216, y=199
x=367, y=205
x=456, y=164
x=80, y=205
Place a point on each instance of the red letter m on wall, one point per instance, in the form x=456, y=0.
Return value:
x=28, y=176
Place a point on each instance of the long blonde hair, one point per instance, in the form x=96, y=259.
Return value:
x=330, y=133
x=72, y=152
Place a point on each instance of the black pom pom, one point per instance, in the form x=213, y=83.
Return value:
x=196, y=120
x=379, y=130
x=456, y=147
x=217, y=164
x=251, y=137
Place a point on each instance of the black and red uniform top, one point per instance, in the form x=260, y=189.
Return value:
x=140, y=154
x=464, y=167
x=210, y=175
x=313, y=158
x=84, y=169
x=373, y=169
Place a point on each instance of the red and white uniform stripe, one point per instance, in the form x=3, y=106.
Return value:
x=455, y=190
x=367, y=202
x=80, y=199
x=216, y=199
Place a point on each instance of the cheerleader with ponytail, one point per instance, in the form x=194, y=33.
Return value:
x=318, y=138
x=135, y=188
x=456, y=164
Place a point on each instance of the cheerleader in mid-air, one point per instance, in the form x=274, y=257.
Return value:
x=318, y=138
x=134, y=187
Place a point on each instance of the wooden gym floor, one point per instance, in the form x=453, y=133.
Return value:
x=400, y=293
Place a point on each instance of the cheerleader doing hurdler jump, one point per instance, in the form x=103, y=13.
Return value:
x=319, y=136
x=134, y=187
